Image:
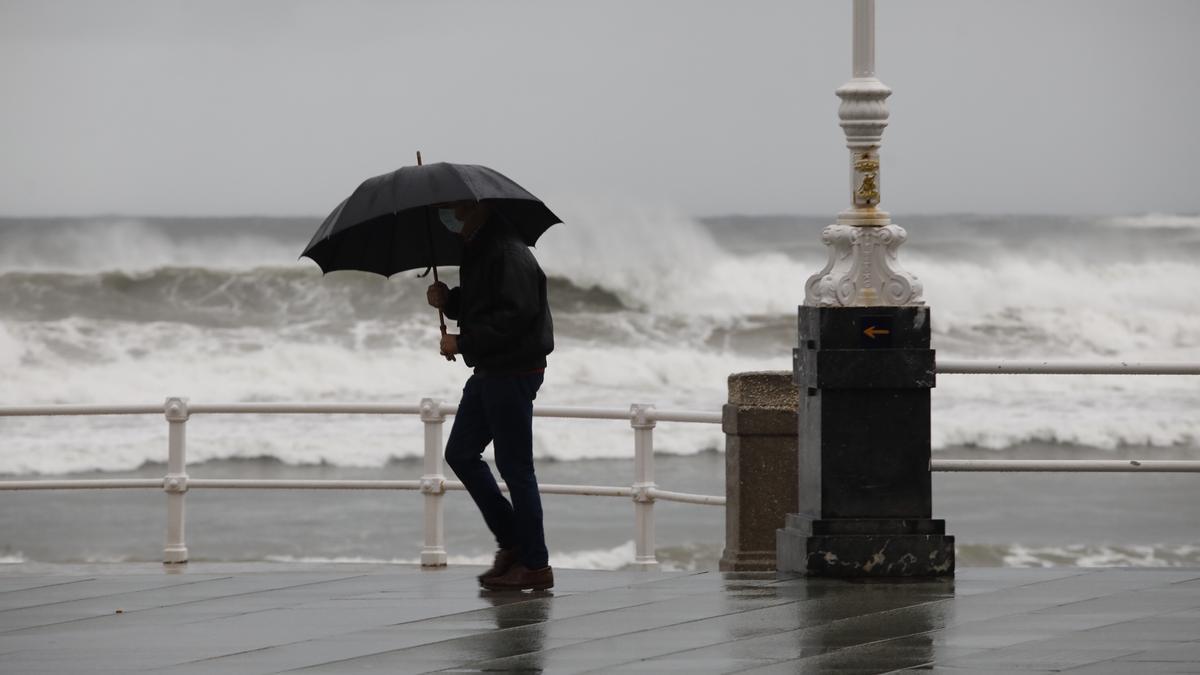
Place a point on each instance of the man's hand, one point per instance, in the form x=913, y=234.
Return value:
x=438, y=295
x=449, y=344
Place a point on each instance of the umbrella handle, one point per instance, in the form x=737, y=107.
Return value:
x=442, y=317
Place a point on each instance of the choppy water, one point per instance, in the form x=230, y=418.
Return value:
x=649, y=306
x=998, y=519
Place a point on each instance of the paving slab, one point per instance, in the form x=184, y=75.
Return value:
x=330, y=618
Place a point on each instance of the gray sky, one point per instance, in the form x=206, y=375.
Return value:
x=268, y=107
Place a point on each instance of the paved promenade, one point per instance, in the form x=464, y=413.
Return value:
x=265, y=618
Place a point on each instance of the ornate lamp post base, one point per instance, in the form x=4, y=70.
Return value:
x=863, y=269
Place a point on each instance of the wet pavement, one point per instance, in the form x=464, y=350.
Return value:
x=268, y=618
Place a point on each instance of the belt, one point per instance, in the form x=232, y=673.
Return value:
x=480, y=371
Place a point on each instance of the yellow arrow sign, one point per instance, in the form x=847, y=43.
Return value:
x=872, y=331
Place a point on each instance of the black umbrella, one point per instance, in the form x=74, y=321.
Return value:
x=387, y=224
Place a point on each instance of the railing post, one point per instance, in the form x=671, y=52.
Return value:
x=433, y=485
x=175, y=482
x=641, y=418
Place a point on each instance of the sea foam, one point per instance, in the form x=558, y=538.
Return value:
x=650, y=307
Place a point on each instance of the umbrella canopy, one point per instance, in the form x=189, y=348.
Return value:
x=388, y=224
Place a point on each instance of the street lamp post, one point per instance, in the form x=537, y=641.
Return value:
x=864, y=370
x=863, y=268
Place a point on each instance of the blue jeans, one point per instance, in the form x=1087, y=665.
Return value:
x=498, y=409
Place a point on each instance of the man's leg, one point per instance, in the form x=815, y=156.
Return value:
x=508, y=401
x=468, y=438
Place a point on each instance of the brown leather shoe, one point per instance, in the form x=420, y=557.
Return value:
x=505, y=559
x=521, y=578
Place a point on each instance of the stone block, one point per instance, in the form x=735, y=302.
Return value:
x=763, y=389
x=760, y=466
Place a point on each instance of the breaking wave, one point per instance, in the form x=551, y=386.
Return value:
x=261, y=296
x=1079, y=555
x=649, y=305
x=702, y=557
x=1158, y=220
x=615, y=558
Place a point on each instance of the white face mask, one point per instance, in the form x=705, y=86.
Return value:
x=450, y=220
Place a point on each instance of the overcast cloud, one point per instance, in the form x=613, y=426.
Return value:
x=172, y=107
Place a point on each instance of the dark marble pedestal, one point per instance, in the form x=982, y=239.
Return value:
x=866, y=547
x=864, y=375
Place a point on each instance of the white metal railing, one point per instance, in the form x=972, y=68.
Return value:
x=432, y=484
x=644, y=491
x=1065, y=368
x=1088, y=465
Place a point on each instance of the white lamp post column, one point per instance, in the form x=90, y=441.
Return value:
x=863, y=268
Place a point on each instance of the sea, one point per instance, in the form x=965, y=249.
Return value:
x=650, y=305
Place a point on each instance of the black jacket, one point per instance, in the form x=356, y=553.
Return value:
x=503, y=316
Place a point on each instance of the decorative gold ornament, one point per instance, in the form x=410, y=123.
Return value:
x=868, y=192
x=866, y=165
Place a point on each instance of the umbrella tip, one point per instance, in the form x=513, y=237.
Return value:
x=418, y=158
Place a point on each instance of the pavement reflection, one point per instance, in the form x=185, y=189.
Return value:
x=528, y=613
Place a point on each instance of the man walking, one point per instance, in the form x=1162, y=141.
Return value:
x=505, y=333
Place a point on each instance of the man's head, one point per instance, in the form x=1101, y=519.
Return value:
x=464, y=218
